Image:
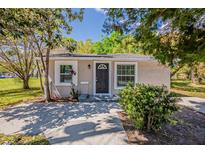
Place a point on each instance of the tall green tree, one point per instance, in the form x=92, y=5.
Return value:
x=85, y=47
x=53, y=22
x=116, y=43
x=151, y=26
x=70, y=44
x=16, y=52
x=45, y=26
x=128, y=44
x=17, y=57
x=107, y=44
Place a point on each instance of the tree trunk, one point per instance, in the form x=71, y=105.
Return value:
x=46, y=83
x=176, y=70
x=194, y=76
x=25, y=83
x=40, y=76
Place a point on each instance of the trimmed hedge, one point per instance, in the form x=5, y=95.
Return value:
x=148, y=106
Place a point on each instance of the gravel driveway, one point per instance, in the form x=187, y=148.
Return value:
x=65, y=123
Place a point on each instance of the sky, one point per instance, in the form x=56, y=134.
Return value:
x=90, y=27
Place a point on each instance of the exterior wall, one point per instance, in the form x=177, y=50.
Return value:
x=84, y=75
x=148, y=72
x=153, y=73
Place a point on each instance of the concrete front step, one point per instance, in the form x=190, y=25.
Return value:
x=98, y=98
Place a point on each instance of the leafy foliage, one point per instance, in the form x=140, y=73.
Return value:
x=45, y=26
x=85, y=47
x=111, y=44
x=174, y=36
x=16, y=56
x=116, y=43
x=107, y=44
x=69, y=43
x=148, y=106
x=74, y=93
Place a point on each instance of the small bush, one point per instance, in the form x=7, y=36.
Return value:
x=148, y=106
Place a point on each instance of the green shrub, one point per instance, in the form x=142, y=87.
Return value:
x=148, y=106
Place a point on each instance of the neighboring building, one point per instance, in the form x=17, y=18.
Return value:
x=104, y=74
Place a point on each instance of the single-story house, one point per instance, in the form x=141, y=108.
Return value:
x=104, y=74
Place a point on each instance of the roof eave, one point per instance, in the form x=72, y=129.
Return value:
x=104, y=58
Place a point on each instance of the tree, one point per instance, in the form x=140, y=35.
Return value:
x=70, y=44
x=45, y=26
x=107, y=44
x=151, y=26
x=53, y=22
x=16, y=52
x=116, y=43
x=85, y=47
x=17, y=57
x=128, y=44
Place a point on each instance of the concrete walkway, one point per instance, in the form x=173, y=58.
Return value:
x=195, y=103
x=64, y=123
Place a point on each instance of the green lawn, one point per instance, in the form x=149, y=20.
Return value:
x=23, y=140
x=11, y=91
x=186, y=88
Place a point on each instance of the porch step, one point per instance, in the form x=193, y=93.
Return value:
x=83, y=97
x=100, y=98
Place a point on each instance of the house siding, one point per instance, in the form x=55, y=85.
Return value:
x=148, y=72
x=85, y=75
x=153, y=73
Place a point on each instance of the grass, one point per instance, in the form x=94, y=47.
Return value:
x=11, y=91
x=23, y=140
x=186, y=88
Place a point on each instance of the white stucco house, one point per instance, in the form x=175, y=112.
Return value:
x=104, y=74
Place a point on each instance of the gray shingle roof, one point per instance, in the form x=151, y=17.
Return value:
x=100, y=55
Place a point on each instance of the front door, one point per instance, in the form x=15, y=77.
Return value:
x=102, y=78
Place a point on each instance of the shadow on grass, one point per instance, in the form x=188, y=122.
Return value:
x=15, y=96
x=186, y=86
x=19, y=91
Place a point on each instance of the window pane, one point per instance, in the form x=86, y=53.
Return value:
x=123, y=80
x=125, y=69
x=118, y=66
x=65, y=68
x=119, y=71
x=133, y=71
x=65, y=78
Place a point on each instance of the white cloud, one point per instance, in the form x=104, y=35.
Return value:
x=100, y=10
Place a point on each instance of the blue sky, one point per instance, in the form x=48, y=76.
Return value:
x=90, y=27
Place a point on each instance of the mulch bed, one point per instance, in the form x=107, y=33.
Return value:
x=189, y=130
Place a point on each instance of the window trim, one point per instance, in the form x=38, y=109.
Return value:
x=57, y=72
x=115, y=72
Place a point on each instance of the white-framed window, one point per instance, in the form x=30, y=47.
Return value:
x=125, y=72
x=63, y=75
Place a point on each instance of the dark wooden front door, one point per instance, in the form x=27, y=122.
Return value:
x=102, y=78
